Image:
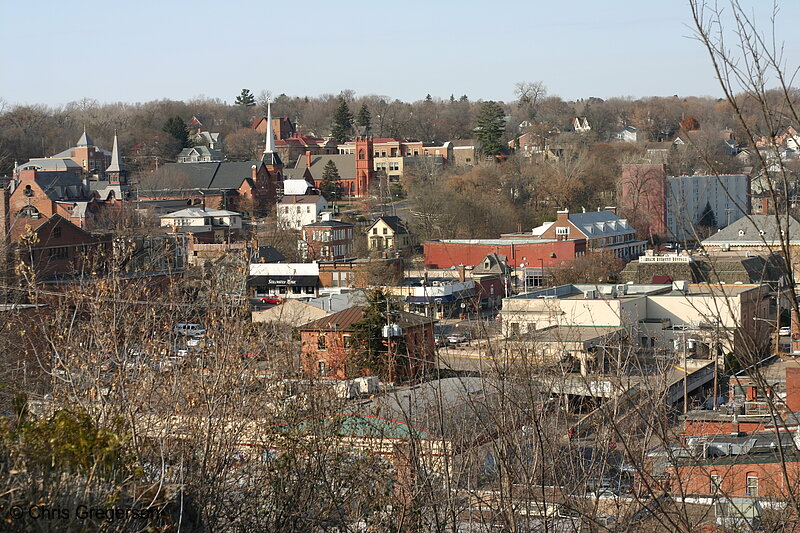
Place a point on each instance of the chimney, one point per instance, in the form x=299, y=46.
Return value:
x=562, y=216
x=253, y=173
x=612, y=208
x=308, y=158
x=793, y=388
x=462, y=275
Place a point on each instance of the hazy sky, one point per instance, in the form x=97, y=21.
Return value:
x=54, y=52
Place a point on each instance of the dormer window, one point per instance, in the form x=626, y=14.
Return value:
x=741, y=233
x=27, y=191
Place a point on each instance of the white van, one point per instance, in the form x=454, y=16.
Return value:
x=192, y=330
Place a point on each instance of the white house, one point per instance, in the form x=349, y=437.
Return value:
x=298, y=210
x=197, y=220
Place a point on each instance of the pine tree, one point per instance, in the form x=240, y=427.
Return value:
x=364, y=119
x=331, y=186
x=490, y=124
x=176, y=127
x=708, y=219
x=342, y=122
x=246, y=98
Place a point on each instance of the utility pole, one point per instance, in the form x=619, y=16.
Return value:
x=685, y=377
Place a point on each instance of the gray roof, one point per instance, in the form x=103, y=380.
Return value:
x=61, y=185
x=747, y=230
x=329, y=224
x=203, y=151
x=51, y=164
x=601, y=224
x=213, y=175
x=85, y=140
x=396, y=223
x=345, y=164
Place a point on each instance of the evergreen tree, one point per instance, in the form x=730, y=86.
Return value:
x=331, y=186
x=428, y=98
x=708, y=219
x=364, y=119
x=490, y=124
x=342, y=122
x=176, y=127
x=246, y=98
x=371, y=348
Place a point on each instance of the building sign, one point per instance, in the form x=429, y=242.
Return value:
x=665, y=259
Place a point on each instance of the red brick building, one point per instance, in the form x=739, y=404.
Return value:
x=62, y=248
x=530, y=252
x=328, y=347
x=643, y=198
x=356, y=171
x=36, y=196
x=327, y=240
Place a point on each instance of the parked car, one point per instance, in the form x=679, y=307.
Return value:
x=193, y=342
x=270, y=300
x=191, y=330
x=785, y=330
x=456, y=338
x=439, y=339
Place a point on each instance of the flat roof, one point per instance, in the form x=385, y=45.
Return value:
x=499, y=242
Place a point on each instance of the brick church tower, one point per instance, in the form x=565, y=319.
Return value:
x=365, y=167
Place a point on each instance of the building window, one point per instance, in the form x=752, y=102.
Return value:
x=752, y=485
x=347, y=341
x=564, y=230
x=61, y=252
x=716, y=483
x=385, y=231
x=321, y=342
x=374, y=231
x=56, y=233
x=321, y=368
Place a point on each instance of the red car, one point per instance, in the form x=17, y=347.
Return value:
x=270, y=300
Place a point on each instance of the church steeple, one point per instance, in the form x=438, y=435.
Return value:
x=270, y=155
x=116, y=171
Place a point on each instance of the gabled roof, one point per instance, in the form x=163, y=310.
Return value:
x=345, y=164
x=497, y=266
x=213, y=175
x=266, y=254
x=204, y=151
x=301, y=199
x=395, y=223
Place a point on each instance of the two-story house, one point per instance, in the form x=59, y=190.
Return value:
x=388, y=233
x=206, y=225
x=330, y=350
x=327, y=240
x=298, y=210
